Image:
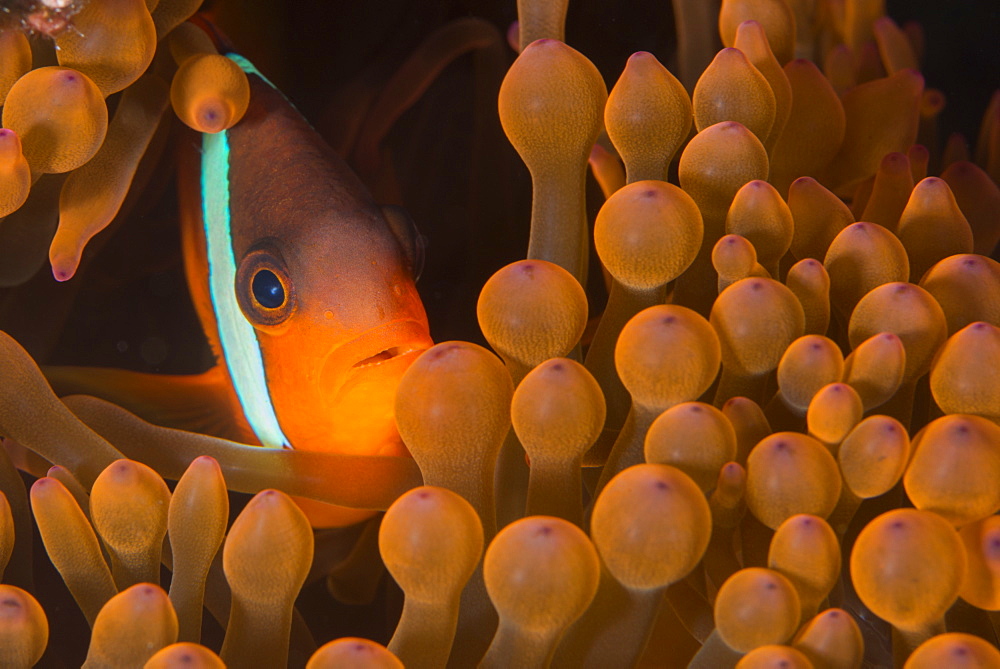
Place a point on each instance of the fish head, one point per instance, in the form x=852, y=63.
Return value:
x=327, y=280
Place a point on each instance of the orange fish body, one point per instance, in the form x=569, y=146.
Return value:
x=305, y=289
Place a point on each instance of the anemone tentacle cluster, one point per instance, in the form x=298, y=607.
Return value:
x=778, y=446
x=55, y=116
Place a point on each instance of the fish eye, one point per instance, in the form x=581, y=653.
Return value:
x=267, y=289
x=264, y=288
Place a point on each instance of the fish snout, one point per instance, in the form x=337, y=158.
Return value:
x=360, y=377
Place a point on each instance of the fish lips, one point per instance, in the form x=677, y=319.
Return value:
x=360, y=378
x=384, y=346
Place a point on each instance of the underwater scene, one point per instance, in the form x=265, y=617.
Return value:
x=499, y=333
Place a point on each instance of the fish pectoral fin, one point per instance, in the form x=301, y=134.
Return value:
x=202, y=403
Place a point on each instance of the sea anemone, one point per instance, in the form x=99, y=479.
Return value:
x=799, y=343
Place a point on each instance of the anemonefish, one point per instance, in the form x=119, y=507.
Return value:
x=304, y=287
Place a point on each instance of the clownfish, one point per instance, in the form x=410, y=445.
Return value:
x=305, y=290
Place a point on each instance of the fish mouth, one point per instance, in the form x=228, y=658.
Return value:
x=384, y=356
x=381, y=349
x=358, y=382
